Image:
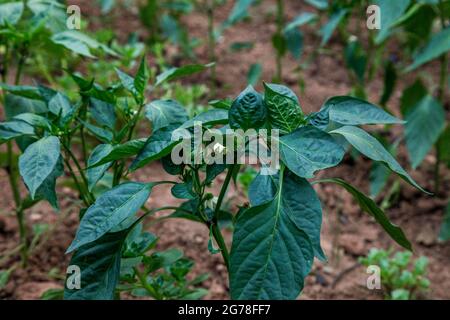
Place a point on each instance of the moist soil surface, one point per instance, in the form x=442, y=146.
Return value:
x=347, y=232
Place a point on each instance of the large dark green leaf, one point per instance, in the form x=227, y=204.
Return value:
x=103, y=112
x=157, y=146
x=175, y=73
x=248, y=110
x=109, y=210
x=350, y=111
x=309, y=149
x=283, y=108
x=99, y=263
x=94, y=174
x=438, y=45
x=425, y=123
x=270, y=255
x=38, y=162
x=298, y=199
x=373, y=149
x=163, y=113
x=369, y=206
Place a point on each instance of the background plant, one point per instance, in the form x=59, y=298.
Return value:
x=401, y=277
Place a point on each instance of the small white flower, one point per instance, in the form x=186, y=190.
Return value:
x=211, y=203
x=218, y=148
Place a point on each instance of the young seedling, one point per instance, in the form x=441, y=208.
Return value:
x=401, y=277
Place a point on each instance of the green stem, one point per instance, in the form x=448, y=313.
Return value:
x=89, y=195
x=224, y=189
x=215, y=228
x=221, y=243
x=77, y=183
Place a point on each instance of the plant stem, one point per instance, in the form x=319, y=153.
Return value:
x=215, y=227
x=77, y=183
x=443, y=81
x=280, y=23
x=221, y=243
x=224, y=189
x=89, y=195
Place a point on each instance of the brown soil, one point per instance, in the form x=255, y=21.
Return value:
x=347, y=232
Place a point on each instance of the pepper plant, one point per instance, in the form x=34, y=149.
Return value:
x=276, y=235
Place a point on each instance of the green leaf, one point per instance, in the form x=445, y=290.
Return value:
x=59, y=105
x=103, y=112
x=163, y=113
x=301, y=19
x=110, y=210
x=80, y=43
x=371, y=148
x=248, y=110
x=47, y=189
x=328, y=29
x=120, y=152
x=425, y=123
x=15, y=129
x=411, y=95
x=10, y=13
x=94, y=174
x=444, y=234
x=104, y=135
x=309, y=149
x=183, y=191
x=157, y=146
x=390, y=79
x=369, y=206
x=176, y=73
x=254, y=74
x=34, y=120
x=4, y=277
x=283, y=108
x=442, y=144
x=318, y=4
x=356, y=59
x=99, y=263
x=298, y=199
x=208, y=118
x=138, y=242
x=391, y=11
x=142, y=77
x=294, y=42
x=438, y=45
x=270, y=255
x=347, y=110
x=238, y=12
x=29, y=92
x=38, y=162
